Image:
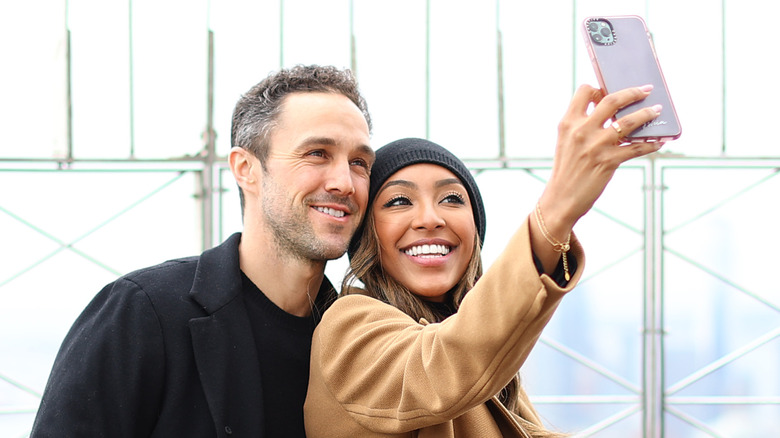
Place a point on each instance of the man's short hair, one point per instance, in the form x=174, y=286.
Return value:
x=257, y=112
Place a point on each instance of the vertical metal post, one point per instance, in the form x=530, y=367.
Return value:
x=281, y=33
x=724, y=70
x=500, y=70
x=654, y=364
x=574, y=39
x=69, y=95
x=653, y=382
x=210, y=155
x=427, y=68
x=352, y=41
x=131, y=82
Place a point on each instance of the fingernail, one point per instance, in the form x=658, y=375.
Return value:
x=646, y=88
x=657, y=108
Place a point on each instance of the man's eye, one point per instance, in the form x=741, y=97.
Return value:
x=360, y=162
x=317, y=153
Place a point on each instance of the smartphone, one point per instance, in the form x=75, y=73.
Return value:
x=622, y=53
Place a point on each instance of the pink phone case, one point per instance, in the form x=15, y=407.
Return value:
x=621, y=50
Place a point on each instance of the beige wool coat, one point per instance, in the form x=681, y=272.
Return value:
x=376, y=372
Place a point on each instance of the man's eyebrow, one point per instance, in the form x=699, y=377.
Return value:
x=309, y=141
x=368, y=150
x=328, y=141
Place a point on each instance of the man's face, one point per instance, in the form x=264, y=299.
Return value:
x=315, y=186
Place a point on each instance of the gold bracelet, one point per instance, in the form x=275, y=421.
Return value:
x=560, y=247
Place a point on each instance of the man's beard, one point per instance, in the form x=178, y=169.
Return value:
x=292, y=229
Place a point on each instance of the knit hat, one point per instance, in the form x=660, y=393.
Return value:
x=398, y=154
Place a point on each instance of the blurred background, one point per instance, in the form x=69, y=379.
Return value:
x=115, y=122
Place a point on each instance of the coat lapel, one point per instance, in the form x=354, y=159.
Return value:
x=506, y=422
x=225, y=350
x=229, y=369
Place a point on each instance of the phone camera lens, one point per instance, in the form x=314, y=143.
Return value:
x=601, y=32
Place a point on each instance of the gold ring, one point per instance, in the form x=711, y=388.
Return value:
x=617, y=128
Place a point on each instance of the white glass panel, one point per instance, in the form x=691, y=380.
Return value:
x=170, y=47
x=463, y=84
x=752, y=70
x=83, y=230
x=246, y=49
x=719, y=298
x=509, y=196
x=390, y=56
x=604, y=311
x=33, y=90
x=688, y=41
x=101, y=78
x=316, y=32
x=537, y=74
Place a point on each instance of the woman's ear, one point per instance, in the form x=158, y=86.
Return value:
x=244, y=165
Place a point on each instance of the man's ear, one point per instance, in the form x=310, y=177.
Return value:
x=244, y=166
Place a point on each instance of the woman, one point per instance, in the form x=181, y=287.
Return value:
x=423, y=349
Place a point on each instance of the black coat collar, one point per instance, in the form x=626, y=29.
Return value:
x=218, y=275
x=225, y=350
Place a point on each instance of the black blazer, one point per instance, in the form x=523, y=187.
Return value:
x=164, y=351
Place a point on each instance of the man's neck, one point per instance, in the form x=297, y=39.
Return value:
x=290, y=283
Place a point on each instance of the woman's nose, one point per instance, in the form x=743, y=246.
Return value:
x=428, y=217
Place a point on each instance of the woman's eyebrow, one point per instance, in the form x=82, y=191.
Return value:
x=398, y=182
x=448, y=182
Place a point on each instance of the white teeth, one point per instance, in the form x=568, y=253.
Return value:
x=331, y=211
x=428, y=250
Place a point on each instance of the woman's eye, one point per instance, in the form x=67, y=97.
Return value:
x=397, y=201
x=454, y=198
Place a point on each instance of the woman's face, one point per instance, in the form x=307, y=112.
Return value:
x=426, y=229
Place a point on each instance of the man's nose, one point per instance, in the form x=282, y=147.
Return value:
x=340, y=178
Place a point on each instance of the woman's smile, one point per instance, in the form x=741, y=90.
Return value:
x=426, y=229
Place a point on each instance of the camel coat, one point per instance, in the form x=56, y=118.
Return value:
x=375, y=372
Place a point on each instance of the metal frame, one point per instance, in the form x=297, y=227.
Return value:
x=653, y=399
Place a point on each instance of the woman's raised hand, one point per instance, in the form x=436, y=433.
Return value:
x=588, y=152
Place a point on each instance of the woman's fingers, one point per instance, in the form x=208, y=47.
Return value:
x=612, y=102
x=626, y=125
x=583, y=97
x=636, y=150
x=605, y=109
x=589, y=150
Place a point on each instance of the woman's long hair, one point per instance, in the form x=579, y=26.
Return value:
x=366, y=267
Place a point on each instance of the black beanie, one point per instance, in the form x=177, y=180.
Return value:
x=398, y=154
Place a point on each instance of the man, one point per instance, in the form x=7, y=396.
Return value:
x=218, y=345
